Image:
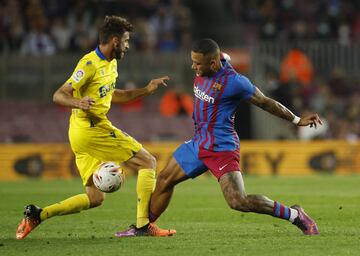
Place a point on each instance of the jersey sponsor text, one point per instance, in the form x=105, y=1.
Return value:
x=202, y=95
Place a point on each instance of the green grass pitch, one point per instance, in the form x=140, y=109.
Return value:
x=205, y=224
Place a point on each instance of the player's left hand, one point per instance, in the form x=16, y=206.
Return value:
x=312, y=119
x=155, y=83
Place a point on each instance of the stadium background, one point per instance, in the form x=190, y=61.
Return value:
x=40, y=43
x=306, y=54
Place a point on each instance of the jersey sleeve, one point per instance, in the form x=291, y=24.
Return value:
x=243, y=87
x=84, y=71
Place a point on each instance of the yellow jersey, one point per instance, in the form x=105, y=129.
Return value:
x=95, y=77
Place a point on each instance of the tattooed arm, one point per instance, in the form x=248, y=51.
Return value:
x=277, y=109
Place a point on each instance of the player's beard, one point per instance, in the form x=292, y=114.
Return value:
x=206, y=73
x=199, y=73
x=118, y=53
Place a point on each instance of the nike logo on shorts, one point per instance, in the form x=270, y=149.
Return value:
x=222, y=167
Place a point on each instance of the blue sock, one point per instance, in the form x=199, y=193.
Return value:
x=281, y=211
x=152, y=217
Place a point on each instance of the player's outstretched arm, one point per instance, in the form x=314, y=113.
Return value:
x=63, y=96
x=124, y=96
x=276, y=108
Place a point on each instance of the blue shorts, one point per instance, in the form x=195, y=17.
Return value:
x=187, y=157
x=195, y=161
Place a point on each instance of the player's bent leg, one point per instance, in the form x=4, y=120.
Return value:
x=142, y=160
x=34, y=215
x=70, y=205
x=96, y=197
x=146, y=164
x=144, y=187
x=233, y=189
x=166, y=181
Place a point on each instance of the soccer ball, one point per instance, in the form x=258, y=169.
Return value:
x=109, y=177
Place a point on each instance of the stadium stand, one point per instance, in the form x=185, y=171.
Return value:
x=32, y=67
x=35, y=122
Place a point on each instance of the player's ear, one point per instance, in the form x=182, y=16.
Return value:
x=213, y=64
x=115, y=40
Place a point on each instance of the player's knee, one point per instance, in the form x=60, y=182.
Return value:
x=150, y=161
x=96, y=200
x=153, y=162
x=239, y=204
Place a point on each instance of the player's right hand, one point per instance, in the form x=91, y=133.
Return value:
x=85, y=103
x=155, y=83
x=312, y=119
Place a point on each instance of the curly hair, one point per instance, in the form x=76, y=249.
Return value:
x=113, y=26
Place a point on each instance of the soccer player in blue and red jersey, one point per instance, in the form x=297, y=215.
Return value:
x=218, y=89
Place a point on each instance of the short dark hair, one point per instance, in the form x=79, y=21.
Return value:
x=113, y=26
x=206, y=46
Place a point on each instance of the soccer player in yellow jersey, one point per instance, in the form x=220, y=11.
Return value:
x=89, y=92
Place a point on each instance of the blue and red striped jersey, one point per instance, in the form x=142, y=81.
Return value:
x=216, y=99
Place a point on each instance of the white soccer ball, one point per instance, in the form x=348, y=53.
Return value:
x=109, y=177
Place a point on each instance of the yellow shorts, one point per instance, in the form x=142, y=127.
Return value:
x=95, y=145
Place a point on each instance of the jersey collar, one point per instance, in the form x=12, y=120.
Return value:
x=99, y=53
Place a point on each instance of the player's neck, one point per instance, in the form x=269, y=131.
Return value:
x=106, y=51
x=217, y=68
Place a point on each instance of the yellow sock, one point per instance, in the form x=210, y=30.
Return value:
x=71, y=205
x=144, y=187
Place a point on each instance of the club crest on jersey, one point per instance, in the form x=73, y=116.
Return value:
x=217, y=86
x=103, y=90
x=202, y=95
x=79, y=74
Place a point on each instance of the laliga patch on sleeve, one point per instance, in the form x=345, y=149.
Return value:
x=79, y=74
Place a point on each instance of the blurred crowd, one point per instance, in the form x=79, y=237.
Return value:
x=39, y=27
x=335, y=97
x=288, y=20
x=36, y=27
